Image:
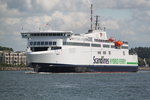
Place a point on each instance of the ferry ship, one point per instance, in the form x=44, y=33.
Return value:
x=64, y=51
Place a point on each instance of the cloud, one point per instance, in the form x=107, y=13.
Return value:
x=20, y=5
x=5, y=12
x=111, y=24
x=122, y=4
x=9, y=34
x=47, y=4
x=34, y=23
x=71, y=21
x=12, y=21
x=57, y=21
x=74, y=15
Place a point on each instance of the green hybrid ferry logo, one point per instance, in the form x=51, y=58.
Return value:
x=103, y=60
x=117, y=61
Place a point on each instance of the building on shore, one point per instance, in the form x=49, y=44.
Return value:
x=12, y=58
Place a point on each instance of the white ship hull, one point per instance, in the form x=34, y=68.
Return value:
x=81, y=59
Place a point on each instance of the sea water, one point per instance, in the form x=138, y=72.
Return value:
x=20, y=85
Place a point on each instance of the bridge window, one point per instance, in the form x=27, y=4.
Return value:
x=54, y=43
x=50, y=43
x=54, y=34
x=42, y=43
x=38, y=43
x=34, y=43
x=59, y=34
x=46, y=43
x=49, y=34
x=31, y=43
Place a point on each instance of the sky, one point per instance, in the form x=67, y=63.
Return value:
x=126, y=20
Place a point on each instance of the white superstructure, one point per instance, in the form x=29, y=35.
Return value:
x=66, y=48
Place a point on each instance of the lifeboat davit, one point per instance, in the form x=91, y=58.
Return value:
x=111, y=39
x=118, y=43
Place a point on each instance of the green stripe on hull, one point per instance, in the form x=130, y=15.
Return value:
x=132, y=62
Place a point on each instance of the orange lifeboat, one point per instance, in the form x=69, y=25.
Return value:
x=118, y=43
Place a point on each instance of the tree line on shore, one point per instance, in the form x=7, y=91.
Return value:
x=143, y=53
x=5, y=49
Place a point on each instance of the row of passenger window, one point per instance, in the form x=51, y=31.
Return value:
x=92, y=45
x=43, y=43
x=108, y=53
x=84, y=44
x=81, y=44
x=104, y=52
x=76, y=44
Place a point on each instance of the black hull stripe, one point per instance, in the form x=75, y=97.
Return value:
x=48, y=67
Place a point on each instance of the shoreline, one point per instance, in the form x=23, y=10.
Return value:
x=144, y=69
x=15, y=69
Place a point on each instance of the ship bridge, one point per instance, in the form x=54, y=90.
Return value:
x=42, y=41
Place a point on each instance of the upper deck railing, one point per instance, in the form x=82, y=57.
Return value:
x=107, y=41
x=33, y=34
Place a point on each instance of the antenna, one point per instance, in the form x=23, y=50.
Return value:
x=96, y=23
x=91, y=16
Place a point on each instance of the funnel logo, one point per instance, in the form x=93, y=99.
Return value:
x=101, y=34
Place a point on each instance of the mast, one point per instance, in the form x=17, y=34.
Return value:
x=91, y=16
